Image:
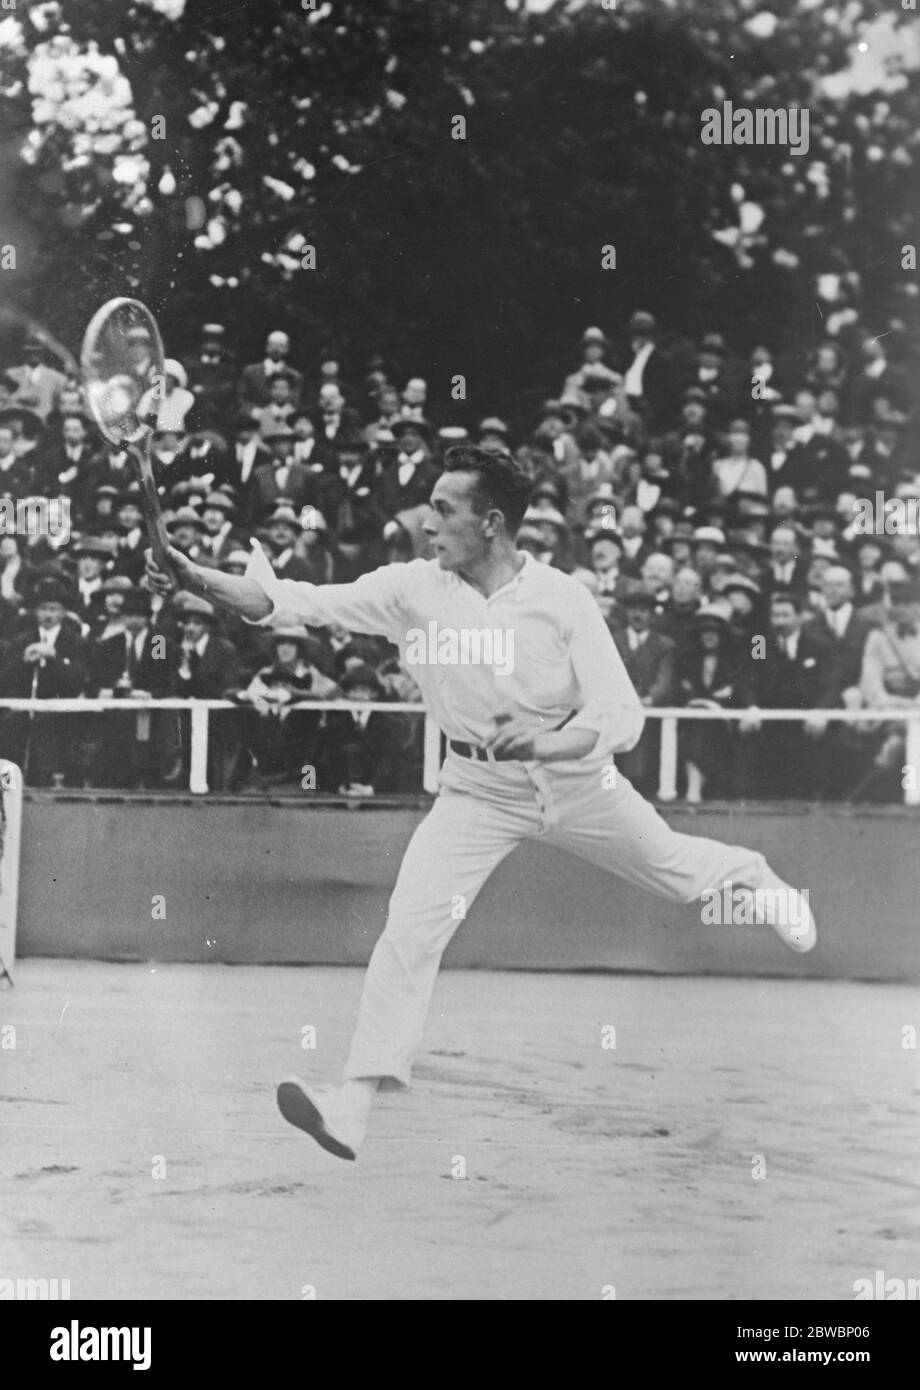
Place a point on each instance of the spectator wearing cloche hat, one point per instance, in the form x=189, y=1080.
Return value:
x=283, y=737
x=712, y=675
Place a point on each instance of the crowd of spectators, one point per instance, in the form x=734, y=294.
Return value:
x=714, y=502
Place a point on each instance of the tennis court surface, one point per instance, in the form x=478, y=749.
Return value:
x=743, y=1139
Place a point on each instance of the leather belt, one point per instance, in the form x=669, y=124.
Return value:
x=468, y=750
x=481, y=755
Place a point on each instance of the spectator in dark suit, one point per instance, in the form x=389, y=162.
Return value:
x=185, y=532
x=611, y=586
x=408, y=481
x=69, y=458
x=212, y=376
x=93, y=556
x=249, y=451
x=676, y=619
x=690, y=449
x=844, y=625
x=132, y=539
x=797, y=671
x=868, y=587
x=253, y=392
x=281, y=478
x=346, y=497
x=17, y=474
x=788, y=565
x=362, y=743
x=712, y=675
x=204, y=666
x=334, y=419
x=650, y=660
x=284, y=534
x=319, y=458
x=220, y=536
x=783, y=460
x=281, y=409
x=131, y=750
x=715, y=379
x=646, y=374
x=46, y=661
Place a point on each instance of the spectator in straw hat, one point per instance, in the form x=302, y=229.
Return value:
x=284, y=530
x=186, y=530
x=219, y=534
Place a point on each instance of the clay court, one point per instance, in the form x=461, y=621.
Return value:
x=585, y=1167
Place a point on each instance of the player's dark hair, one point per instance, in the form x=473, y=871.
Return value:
x=501, y=482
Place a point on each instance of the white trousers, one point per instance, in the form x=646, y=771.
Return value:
x=482, y=812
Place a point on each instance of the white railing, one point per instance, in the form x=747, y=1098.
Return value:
x=667, y=768
x=669, y=717
x=11, y=790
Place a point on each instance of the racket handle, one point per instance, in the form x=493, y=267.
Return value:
x=150, y=507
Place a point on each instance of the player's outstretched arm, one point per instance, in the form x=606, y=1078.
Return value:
x=234, y=592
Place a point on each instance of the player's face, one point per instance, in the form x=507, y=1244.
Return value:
x=455, y=530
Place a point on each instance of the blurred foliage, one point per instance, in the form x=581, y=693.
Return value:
x=288, y=126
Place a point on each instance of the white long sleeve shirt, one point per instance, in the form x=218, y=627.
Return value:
x=564, y=657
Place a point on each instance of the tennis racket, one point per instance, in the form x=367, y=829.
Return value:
x=124, y=380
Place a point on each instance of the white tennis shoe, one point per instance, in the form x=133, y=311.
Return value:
x=780, y=906
x=324, y=1114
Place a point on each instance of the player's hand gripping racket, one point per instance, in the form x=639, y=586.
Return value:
x=124, y=377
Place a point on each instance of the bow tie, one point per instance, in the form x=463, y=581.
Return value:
x=907, y=629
